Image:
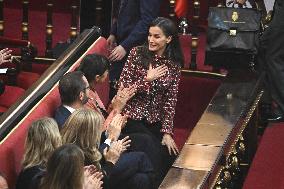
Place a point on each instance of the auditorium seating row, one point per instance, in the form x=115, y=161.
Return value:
x=16, y=18
x=267, y=168
x=193, y=98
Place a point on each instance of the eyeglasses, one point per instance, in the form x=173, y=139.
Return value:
x=88, y=87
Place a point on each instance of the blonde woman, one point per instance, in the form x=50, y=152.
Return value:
x=42, y=139
x=127, y=170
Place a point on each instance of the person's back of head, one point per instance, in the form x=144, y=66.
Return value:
x=65, y=169
x=42, y=139
x=93, y=65
x=84, y=128
x=70, y=86
x=3, y=182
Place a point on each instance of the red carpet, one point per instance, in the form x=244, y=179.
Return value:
x=267, y=169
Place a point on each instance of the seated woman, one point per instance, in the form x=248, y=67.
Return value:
x=42, y=139
x=65, y=170
x=95, y=68
x=127, y=170
x=155, y=70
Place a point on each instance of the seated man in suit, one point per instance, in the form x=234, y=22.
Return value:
x=74, y=93
x=73, y=89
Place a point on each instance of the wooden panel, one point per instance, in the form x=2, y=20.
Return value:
x=183, y=179
x=207, y=134
x=197, y=157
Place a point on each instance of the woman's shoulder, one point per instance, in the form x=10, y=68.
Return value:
x=30, y=171
x=26, y=176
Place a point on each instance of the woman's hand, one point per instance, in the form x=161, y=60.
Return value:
x=170, y=143
x=114, y=129
x=125, y=143
x=122, y=96
x=116, y=148
x=5, y=55
x=111, y=40
x=117, y=53
x=240, y=1
x=92, y=180
x=155, y=73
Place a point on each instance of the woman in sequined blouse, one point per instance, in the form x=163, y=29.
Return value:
x=155, y=70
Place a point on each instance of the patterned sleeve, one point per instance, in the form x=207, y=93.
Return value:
x=132, y=74
x=170, y=104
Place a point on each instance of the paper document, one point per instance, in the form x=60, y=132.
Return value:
x=3, y=70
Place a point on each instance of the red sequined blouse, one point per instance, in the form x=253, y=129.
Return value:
x=154, y=101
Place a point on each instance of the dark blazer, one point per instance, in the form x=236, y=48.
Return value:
x=278, y=14
x=61, y=115
x=134, y=17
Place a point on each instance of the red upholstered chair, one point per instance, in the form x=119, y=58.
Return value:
x=37, y=27
x=185, y=42
x=10, y=95
x=26, y=79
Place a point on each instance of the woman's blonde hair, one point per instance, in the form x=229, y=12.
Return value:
x=83, y=128
x=42, y=139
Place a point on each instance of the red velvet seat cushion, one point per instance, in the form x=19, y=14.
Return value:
x=39, y=68
x=26, y=79
x=267, y=168
x=10, y=95
x=3, y=109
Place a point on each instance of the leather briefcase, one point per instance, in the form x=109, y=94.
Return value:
x=232, y=32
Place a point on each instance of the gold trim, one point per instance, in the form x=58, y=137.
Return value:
x=36, y=89
x=239, y=136
x=38, y=58
x=203, y=73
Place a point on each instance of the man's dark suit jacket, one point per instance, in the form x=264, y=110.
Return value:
x=61, y=115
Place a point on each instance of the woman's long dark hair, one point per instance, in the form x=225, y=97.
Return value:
x=173, y=50
x=65, y=169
